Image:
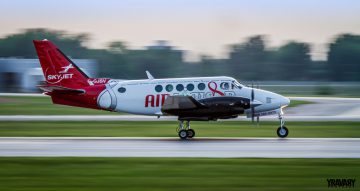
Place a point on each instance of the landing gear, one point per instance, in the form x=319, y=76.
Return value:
x=185, y=132
x=282, y=131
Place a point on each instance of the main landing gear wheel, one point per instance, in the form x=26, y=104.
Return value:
x=190, y=133
x=185, y=132
x=282, y=132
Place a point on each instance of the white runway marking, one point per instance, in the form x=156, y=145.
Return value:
x=173, y=147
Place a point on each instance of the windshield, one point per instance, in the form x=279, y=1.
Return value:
x=237, y=84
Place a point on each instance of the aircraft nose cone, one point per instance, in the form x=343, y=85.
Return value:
x=284, y=101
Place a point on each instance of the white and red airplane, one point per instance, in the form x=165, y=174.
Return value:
x=190, y=99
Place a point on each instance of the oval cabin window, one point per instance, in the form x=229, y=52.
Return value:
x=158, y=88
x=179, y=87
x=122, y=90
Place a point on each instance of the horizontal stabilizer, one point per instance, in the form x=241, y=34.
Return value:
x=61, y=89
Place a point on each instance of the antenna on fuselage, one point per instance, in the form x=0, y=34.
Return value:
x=150, y=77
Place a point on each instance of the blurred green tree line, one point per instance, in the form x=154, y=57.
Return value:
x=249, y=60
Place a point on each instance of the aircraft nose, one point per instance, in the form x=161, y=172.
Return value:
x=284, y=101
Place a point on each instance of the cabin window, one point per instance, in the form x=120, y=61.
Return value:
x=169, y=88
x=224, y=85
x=179, y=87
x=190, y=87
x=201, y=86
x=122, y=90
x=158, y=88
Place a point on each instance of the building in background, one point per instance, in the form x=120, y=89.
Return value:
x=23, y=75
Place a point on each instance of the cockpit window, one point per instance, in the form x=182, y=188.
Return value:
x=236, y=84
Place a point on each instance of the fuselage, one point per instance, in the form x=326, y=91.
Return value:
x=146, y=97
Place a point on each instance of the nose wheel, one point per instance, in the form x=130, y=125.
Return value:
x=185, y=132
x=282, y=131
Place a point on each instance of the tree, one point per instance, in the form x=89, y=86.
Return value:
x=246, y=59
x=293, y=61
x=118, y=47
x=161, y=60
x=20, y=45
x=344, y=58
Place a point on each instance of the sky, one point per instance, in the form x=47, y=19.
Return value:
x=199, y=26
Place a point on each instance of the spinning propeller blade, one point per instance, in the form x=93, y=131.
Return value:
x=252, y=100
x=253, y=105
x=252, y=92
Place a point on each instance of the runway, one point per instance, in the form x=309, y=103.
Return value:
x=173, y=147
x=325, y=106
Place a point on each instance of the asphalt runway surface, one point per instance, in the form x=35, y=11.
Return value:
x=173, y=147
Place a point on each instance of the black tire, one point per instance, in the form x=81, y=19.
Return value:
x=190, y=133
x=282, y=132
x=183, y=134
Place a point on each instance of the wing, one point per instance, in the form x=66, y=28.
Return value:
x=187, y=108
x=181, y=103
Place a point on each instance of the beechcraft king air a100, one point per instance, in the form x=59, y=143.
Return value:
x=190, y=99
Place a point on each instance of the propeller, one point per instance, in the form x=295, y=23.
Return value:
x=252, y=101
x=253, y=105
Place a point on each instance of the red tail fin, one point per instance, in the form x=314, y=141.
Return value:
x=58, y=69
